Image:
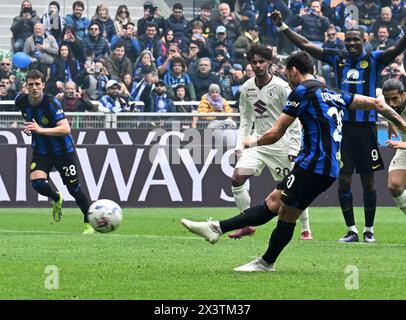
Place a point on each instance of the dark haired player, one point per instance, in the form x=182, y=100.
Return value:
x=320, y=110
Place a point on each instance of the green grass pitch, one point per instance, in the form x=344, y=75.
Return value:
x=151, y=256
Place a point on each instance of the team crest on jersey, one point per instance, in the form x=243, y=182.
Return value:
x=44, y=121
x=363, y=64
x=260, y=107
x=33, y=165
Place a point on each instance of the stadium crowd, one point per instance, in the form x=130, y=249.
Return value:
x=116, y=60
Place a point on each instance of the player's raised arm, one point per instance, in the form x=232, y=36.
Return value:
x=300, y=41
x=379, y=104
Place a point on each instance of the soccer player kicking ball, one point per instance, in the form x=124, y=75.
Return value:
x=261, y=102
x=52, y=145
x=319, y=109
x=395, y=95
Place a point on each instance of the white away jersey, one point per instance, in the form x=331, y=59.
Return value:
x=261, y=108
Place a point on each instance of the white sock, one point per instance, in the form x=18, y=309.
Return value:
x=401, y=201
x=369, y=229
x=241, y=197
x=304, y=220
x=353, y=229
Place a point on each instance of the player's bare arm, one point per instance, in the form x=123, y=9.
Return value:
x=272, y=135
x=62, y=128
x=368, y=103
x=296, y=38
x=395, y=145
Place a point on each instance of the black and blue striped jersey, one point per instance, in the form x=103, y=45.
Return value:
x=47, y=114
x=320, y=110
x=357, y=76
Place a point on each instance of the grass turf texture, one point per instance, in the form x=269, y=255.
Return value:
x=151, y=256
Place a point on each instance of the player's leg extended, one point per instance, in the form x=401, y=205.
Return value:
x=368, y=185
x=396, y=186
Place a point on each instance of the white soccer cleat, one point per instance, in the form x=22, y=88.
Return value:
x=256, y=265
x=209, y=230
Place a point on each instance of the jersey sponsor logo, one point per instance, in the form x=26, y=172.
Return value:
x=260, y=107
x=352, y=77
x=292, y=103
x=252, y=96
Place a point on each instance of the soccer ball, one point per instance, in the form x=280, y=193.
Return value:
x=105, y=215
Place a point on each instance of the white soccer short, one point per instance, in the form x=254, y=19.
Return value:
x=255, y=159
x=399, y=161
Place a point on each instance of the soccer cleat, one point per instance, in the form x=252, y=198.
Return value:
x=238, y=234
x=306, y=235
x=256, y=265
x=351, y=236
x=57, y=208
x=88, y=229
x=209, y=230
x=369, y=237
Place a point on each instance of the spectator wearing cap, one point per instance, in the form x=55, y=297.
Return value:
x=144, y=60
x=130, y=42
x=23, y=26
x=151, y=41
x=159, y=101
x=76, y=21
x=177, y=22
x=113, y=102
x=102, y=16
x=53, y=20
x=150, y=15
x=96, y=42
x=221, y=37
x=176, y=76
x=228, y=20
x=117, y=64
x=244, y=43
x=122, y=18
x=204, y=18
x=203, y=78
x=42, y=48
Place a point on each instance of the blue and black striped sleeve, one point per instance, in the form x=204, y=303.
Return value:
x=56, y=110
x=295, y=104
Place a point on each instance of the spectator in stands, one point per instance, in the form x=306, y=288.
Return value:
x=228, y=20
x=42, y=48
x=117, y=64
x=204, y=18
x=382, y=42
x=400, y=61
x=392, y=72
x=128, y=85
x=167, y=39
x=342, y=18
x=151, y=15
x=182, y=96
x=248, y=8
x=368, y=13
x=108, y=30
x=6, y=91
x=93, y=80
x=230, y=80
x=244, y=43
x=127, y=38
x=159, y=100
x=72, y=101
x=195, y=34
x=332, y=42
x=69, y=38
x=150, y=40
x=76, y=21
x=143, y=88
x=395, y=31
x=398, y=11
x=177, y=22
x=122, y=18
x=312, y=23
x=221, y=38
x=144, y=60
x=165, y=63
x=64, y=68
x=176, y=76
x=53, y=21
x=113, y=102
x=248, y=73
x=203, y=78
x=6, y=71
x=192, y=57
x=23, y=26
x=295, y=6
x=96, y=42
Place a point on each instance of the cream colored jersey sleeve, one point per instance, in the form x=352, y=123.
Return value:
x=247, y=117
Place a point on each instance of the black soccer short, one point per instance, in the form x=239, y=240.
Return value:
x=65, y=164
x=359, y=148
x=300, y=187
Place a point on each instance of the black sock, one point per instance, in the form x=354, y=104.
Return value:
x=369, y=208
x=81, y=200
x=42, y=187
x=280, y=237
x=254, y=216
x=345, y=199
